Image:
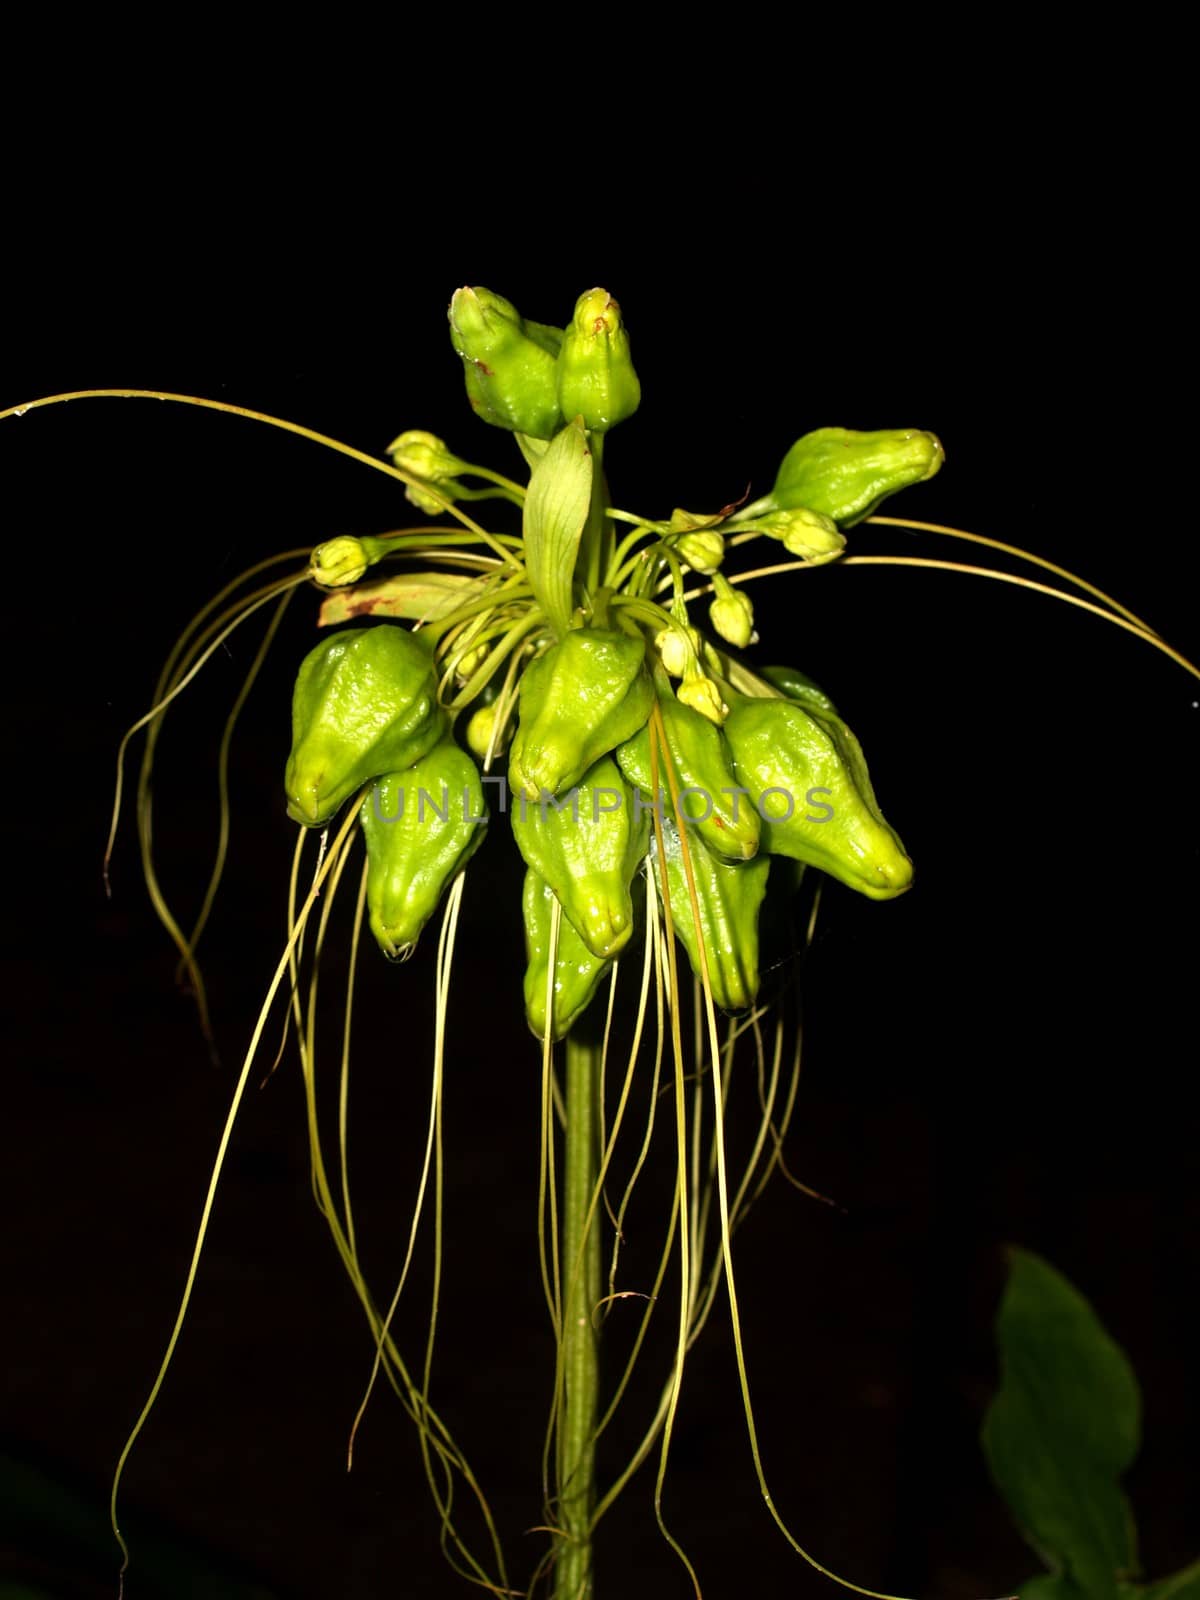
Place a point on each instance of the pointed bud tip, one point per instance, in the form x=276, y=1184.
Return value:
x=596, y=312
x=465, y=313
x=305, y=810
x=396, y=953
x=702, y=694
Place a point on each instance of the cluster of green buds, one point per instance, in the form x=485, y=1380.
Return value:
x=530, y=378
x=642, y=752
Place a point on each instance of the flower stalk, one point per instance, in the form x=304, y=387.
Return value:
x=580, y=1356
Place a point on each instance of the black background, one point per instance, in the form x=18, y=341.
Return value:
x=1002, y=1056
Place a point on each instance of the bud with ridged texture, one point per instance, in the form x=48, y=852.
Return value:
x=587, y=846
x=596, y=380
x=709, y=797
x=342, y=561
x=808, y=780
x=809, y=535
x=847, y=475
x=425, y=456
x=577, y=972
x=586, y=695
x=732, y=614
x=434, y=500
x=703, y=694
x=678, y=649
x=510, y=363
x=796, y=685
x=703, y=550
x=724, y=919
x=364, y=704
x=421, y=827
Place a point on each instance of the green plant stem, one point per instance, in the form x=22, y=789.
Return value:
x=581, y=1266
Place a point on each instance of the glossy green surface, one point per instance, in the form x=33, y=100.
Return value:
x=596, y=380
x=846, y=475
x=510, y=365
x=577, y=972
x=808, y=780
x=587, y=847
x=728, y=899
x=586, y=695
x=364, y=704
x=703, y=763
x=421, y=827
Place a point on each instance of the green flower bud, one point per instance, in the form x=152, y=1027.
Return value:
x=732, y=614
x=364, y=704
x=587, y=847
x=728, y=899
x=809, y=783
x=678, y=649
x=703, y=695
x=596, y=380
x=797, y=685
x=577, y=972
x=338, y=562
x=809, y=535
x=432, y=502
x=469, y=663
x=480, y=729
x=847, y=475
x=708, y=791
x=425, y=456
x=703, y=550
x=586, y=695
x=421, y=827
x=510, y=371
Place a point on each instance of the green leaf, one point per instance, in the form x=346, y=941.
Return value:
x=416, y=597
x=1063, y=1426
x=556, y=508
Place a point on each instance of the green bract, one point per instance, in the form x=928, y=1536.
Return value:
x=587, y=847
x=421, y=827
x=846, y=475
x=556, y=508
x=728, y=899
x=808, y=781
x=364, y=704
x=703, y=764
x=582, y=698
x=577, y=972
